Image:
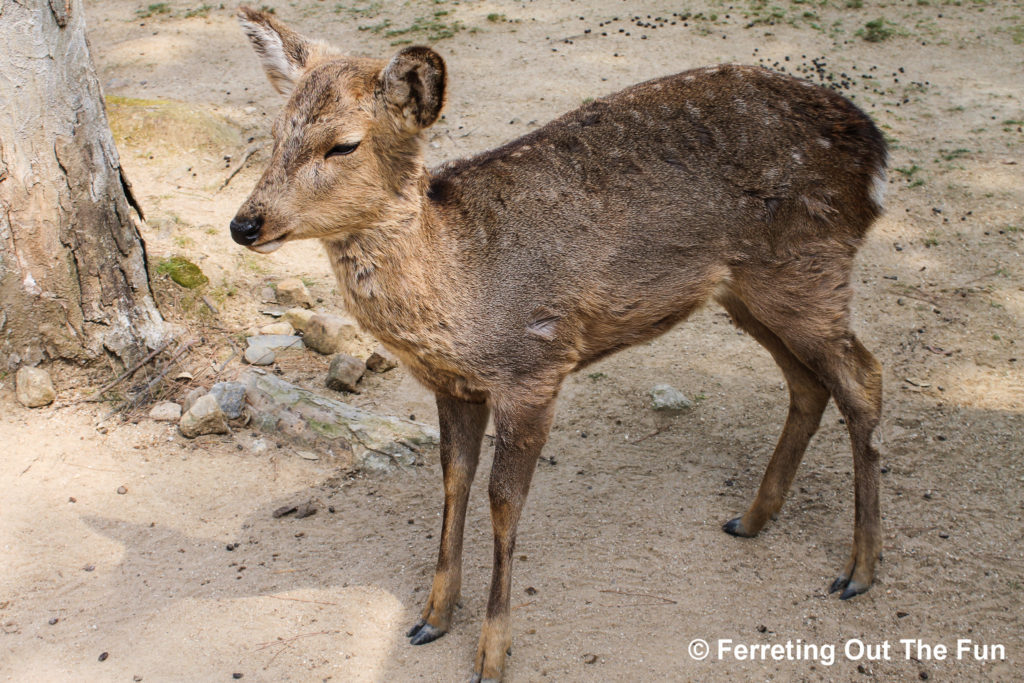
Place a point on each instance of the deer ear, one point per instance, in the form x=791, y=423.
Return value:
x=284, y=52
x=413, y=86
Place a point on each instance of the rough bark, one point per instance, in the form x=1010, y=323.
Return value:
x=73, y=278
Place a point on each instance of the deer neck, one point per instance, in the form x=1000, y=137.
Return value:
x=387, y=284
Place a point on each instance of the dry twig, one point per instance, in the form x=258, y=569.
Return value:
x=250, y=150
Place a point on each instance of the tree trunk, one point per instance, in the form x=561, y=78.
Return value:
x=73, y=278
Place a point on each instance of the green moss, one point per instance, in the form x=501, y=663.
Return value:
x=154, y=9
x=182, y=271
x=876, y=31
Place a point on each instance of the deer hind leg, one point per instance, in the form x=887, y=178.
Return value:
x=805, y=302
x=807, y=401
x=462, y=430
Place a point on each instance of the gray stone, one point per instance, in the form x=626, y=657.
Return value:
x=33, y=387
x=358, y=438
x=259, y=355
x=330, y=334
x=230, y=397
x=273, y=311
x=261, y=349
x=381, y=360
x=665, y=397
x=165, y=411
x=204, y=417
x=299, y=318
x=345, y=372
x=191, y=397
x=275, y=342
x=268, y=296
x=291, y=292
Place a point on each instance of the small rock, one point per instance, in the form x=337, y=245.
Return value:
x=665, y=397
x=258, y=355
x=121, y=490
x=230, y=397
x=298, y=318
x=103, y=656
x=307, y=455
x=267, y=295
x=33, y=387
x=284, y=510
x=345, y=372
x=291, y=292
x=280, y=327
x=329, y=334
x=306, y=510
x=381, y=360
x=589, y=659
x=53, y=620
x=275, y=341
x=273, y=311
x=237, y=675
x=204, y=417
x=261, y=349
x=165, y=411
x=191, y=398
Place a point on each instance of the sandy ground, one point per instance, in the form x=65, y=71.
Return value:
x=621, y=560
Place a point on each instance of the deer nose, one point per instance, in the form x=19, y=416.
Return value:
x=245, y=231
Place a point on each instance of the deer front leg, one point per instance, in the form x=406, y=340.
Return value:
x=462, y=429
x=521, y=433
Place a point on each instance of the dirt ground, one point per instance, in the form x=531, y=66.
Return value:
x=621, y=559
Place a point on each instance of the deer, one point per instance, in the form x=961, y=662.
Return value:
x=494, y=277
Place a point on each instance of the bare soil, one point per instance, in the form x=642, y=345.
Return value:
x=621, y=559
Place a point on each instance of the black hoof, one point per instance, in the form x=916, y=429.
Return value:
x=423, y=633
x=415, y=629
x=839, y=584
x=476, y=679
x=734, y=527
x=853, y=589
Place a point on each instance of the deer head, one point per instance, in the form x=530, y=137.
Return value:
x=347, y=145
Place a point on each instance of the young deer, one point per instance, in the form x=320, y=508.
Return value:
x=494, y=277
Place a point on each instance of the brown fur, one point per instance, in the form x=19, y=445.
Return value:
x=495, y=277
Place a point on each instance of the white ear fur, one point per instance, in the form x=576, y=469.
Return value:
x=283, y=65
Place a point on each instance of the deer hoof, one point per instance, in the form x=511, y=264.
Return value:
x=734, y=527
x=839, y=584
x=852, y=589
x=476, y=679
x=422, y=633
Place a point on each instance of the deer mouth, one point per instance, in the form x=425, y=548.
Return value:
x=267, y=247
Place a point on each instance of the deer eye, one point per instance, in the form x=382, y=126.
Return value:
x=341, y=150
